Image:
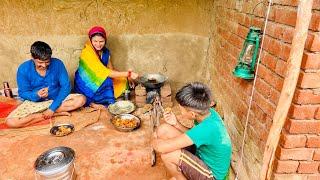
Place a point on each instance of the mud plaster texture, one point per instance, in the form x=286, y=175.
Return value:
x=171, y=37
x=177, y=38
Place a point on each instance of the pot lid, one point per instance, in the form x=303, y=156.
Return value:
x=54, y=160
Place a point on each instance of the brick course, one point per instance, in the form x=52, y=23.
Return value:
x=306, y=167
x=310, y=61
x=313, y=141
x=286, y=166
x=313, y=42
x=309, y=79
x=302, y=111
x=306, y=96
x=295, y=154
x=316, y=155
x=298, y=152
x=292, y=141
x=302, y=126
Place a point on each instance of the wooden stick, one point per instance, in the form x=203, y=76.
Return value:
x=289, y=86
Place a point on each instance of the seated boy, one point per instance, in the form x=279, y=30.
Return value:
x=213, y=147
x=44, y=84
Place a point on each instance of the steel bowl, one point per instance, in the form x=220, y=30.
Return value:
x=126, y=117
x=153, y=81
x=62, y=129
x=121, y=107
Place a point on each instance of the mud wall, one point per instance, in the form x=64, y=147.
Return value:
x=171, y=37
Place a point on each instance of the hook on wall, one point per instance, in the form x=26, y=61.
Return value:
x=264, y=2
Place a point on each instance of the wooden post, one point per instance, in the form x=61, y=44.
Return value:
x=289, y=86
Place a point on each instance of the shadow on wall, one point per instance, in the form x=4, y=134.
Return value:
x=181, y=57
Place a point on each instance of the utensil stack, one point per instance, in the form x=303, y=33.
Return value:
x=56, y=164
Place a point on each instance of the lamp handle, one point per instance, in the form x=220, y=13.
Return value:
x=252, y=13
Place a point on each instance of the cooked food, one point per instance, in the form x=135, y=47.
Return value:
x=63, y=130
x=125, y=123
x=167, y=110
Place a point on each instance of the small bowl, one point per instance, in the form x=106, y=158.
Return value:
x=62, y=129
x=126, y=117
x=121, y=107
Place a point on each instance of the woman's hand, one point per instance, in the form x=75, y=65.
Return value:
x=134, y=75
x=131, y=83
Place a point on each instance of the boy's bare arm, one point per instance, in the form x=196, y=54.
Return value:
x=179, y=126
x=169, y=145
x=171, y=118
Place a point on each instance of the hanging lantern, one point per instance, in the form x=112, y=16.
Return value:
x=248, y=56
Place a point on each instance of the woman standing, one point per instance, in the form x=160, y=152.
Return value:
x=95, y=77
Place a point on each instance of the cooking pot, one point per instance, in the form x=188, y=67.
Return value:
x=153, y=80
x=56, y=163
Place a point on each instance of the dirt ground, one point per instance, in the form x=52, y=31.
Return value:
x=101, y=152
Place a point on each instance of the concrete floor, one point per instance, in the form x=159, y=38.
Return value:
x=101, y=153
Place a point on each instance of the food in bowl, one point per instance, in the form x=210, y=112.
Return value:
x=62, y=129
x=125, y=123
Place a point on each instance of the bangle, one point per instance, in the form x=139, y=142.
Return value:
x=129, y=74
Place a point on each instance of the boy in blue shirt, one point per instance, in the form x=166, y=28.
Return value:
x=43, y=80
x=213, y=146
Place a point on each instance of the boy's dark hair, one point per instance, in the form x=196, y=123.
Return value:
x=40, y=50
x=194, y=95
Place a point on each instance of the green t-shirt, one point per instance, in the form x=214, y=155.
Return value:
x=213, y=144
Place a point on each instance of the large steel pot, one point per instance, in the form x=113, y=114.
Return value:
x=153, y=81
x=56, y=163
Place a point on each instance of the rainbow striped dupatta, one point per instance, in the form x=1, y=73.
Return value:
x=92, y=73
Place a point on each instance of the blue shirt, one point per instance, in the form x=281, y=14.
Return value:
x=213, y=144
x=56, y=79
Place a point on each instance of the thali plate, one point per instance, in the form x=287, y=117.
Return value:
x=121, y=107
x=62, y=129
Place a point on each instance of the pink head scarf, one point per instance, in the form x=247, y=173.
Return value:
x=97, y=30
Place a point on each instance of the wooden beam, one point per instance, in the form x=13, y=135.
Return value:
x=289, y=86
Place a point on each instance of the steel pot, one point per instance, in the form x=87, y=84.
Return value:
x=56, y=163
x=153, y=81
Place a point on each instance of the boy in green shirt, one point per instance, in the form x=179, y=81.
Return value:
x=213, y=146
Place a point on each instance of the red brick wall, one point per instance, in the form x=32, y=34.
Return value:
x=299, y=150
